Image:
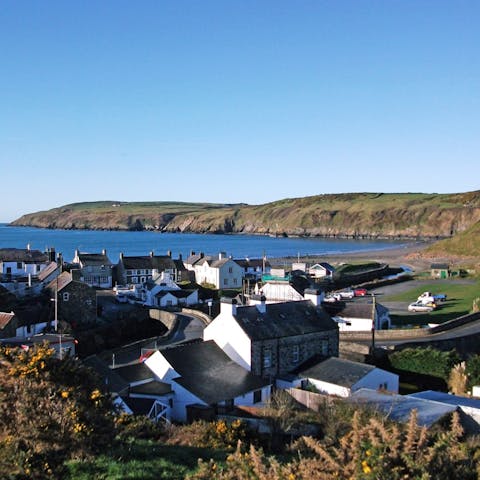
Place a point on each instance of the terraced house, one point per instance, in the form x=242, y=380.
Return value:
x=95, y=268
x=137, y=270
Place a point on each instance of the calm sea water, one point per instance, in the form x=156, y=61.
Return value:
x=142, y=243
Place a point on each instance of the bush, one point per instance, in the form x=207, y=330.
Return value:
x=428, y=361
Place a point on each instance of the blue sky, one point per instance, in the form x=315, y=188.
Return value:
x=235, y=101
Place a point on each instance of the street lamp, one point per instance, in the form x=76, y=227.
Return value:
x=209, y=303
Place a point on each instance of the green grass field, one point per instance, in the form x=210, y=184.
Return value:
x=460, y=297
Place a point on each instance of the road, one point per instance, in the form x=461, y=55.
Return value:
x=189, y=328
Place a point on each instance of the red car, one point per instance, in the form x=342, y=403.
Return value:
x=360, y=292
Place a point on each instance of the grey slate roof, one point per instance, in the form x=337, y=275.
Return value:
x=134, y=372
x=153, y=388
x=252, y=262
x=158, y=262
x=113, y=382
x=48, y=270
x=447, y=398
x=64, y=279
x=94, y=259
x=356, y=309
x=284, y=319
x=206, y=371
x=338, y=371
x=22, y=255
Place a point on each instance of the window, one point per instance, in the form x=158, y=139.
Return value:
x=19, y=265
x=257, y=396
x=267, y=358
x=225, y=281
x=66, y=296
x=295, y=354
x=143, y=279
x=134, y=279
x=234, y=281
x=230, y=269
x=139, y=272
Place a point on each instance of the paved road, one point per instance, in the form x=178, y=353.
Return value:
x=189, y=327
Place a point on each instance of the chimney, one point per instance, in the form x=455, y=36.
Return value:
x=121, y=256
x=151, y=254
x=228, y=305
x=51, y=254
x=169, y=253
x=262, y=306
x=222, y=255
x=202, y=254
x=314, y=295
x=60, y=259
x=28, y=247
x=192, y=252
x=104, y=251
x=180, y=256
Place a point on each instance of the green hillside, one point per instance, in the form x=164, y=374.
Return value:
x=352, y=215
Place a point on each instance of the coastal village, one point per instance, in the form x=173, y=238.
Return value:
x=211, y=336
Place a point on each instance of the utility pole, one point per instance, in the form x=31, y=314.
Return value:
x=374, y=310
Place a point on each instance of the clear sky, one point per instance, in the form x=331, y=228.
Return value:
x=235, y=100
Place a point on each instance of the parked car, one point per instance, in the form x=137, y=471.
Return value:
x=346, y=294
x=421, y=307
x=360, y=292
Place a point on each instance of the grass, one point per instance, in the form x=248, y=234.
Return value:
x=142, y=460
x=460, y=296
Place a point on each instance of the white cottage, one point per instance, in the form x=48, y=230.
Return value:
x=201, y=374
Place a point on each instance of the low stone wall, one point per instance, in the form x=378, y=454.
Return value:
x=202, y=316
x=169, y=319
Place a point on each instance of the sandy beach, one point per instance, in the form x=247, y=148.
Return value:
x=409, y=255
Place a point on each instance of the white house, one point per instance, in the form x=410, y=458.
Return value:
x=321, y=270
x=95, y=268
x=254, y=268
x=201, y=374
x=164, y=292
x=221, y=271
x=359, y=316
x=273, y=339
x=278, y=291
x=336, y=376
x=19, y=262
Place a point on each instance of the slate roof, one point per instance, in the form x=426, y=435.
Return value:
x=22, y=255
x=48, y=270
x=153, y=388
x=158, y=262
x=64, y=279
x=206, y=371
x=134, y=372
x=357, y=309
x=175, y=293
x=325, y=265
x=399, y=407
x=113, y=381
x=284, y=319
x=338, y=371
x=214, y=262
x=193, y=259
x=252, y=262
x=440, y=266
x=94, y=259
x=447, y=398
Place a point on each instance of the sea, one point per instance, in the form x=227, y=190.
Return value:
x=142, y=243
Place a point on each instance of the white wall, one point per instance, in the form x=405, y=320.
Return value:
x=376, y=379
x=230, y=337
x=330, y=388
x=354, y=324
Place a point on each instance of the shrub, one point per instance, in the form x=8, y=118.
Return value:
x=428, y=361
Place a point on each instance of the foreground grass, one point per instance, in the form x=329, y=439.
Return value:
x=460, y=297
x=143, y=460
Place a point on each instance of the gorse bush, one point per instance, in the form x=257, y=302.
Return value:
x=373, y=450
x=50, y=410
